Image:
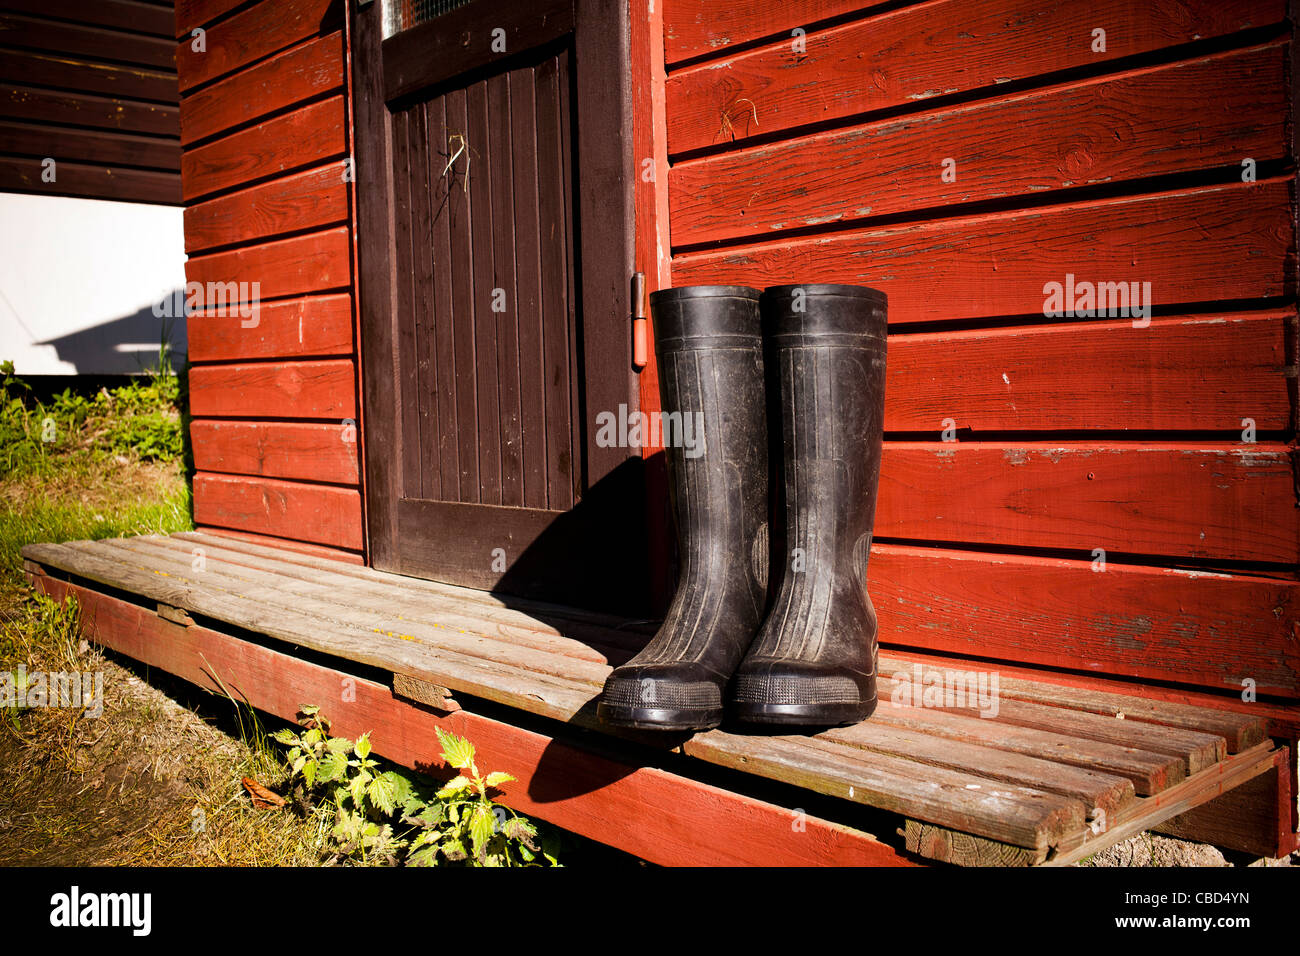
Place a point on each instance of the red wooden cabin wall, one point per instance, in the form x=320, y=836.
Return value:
x=91, y=85
x=265, y=133
x=824, y=161
x=807, y=141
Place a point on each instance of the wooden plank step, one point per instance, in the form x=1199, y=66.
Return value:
x=1239, y=731
x=540, y=610
x=166, y=576
x=1150, y=772
x=547, y=697
x=1039, y=790
x=560, y=699
x=1197, y=750
x=583, y=626
x=1021, y=816
x=1091, y=787
x=663, y=817
x=280, y=683
x=504, y=649
x=575, y=639
x=543, y=651
x=464, y=638
x=533, y=651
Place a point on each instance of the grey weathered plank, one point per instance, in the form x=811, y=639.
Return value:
x=1092, y=787
x=965, y=849
x=1150, y=772
x=577, y=639
x=1021, y=816
x=540, y=610
x=492, y=681
x=1241, y=731
x=1197, y=750
x=462, y=636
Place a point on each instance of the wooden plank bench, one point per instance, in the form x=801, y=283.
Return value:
x=1034, y=772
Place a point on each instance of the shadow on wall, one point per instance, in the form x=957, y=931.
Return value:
x=128, y=345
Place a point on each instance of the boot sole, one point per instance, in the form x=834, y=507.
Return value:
x=659, y=718
x=805, y=715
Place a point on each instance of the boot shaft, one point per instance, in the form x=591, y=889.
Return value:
x=813, y=661
x=826, y=352
x=708, y=341
x=709, y=344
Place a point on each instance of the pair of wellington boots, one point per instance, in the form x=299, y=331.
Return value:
x=810, y=361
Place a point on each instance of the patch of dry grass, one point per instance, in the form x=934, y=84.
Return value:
x=148, y=782
x=155, y=779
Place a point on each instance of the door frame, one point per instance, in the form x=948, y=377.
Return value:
x=604, y=204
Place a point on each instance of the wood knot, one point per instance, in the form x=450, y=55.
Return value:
x=1077, y=161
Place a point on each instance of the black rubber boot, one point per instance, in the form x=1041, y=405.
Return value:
x=709, y=344
x=814, y=660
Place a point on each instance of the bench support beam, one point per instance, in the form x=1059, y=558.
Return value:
x=1256, y=817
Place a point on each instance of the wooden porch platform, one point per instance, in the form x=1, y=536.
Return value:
x=1054, y=775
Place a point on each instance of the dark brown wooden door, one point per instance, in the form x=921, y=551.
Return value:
x=495, y=253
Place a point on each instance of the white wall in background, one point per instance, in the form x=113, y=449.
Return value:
x=79, y=279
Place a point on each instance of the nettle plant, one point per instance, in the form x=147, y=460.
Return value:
x=384, y=816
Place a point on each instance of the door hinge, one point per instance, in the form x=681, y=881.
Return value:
x=640, y=345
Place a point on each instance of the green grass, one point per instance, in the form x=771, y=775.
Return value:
x=139, y=421
x=45, y=520
x=88, y=465
x=68, y=472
